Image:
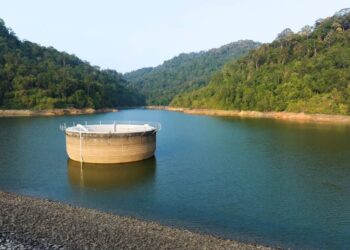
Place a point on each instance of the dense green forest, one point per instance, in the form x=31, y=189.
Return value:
x=35, y=77
x=304, y=72
x=185, y=72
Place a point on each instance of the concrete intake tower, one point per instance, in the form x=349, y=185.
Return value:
x=111, y=143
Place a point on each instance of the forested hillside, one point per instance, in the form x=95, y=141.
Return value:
x=35, y=77
x=185, y=72
x=304, y=72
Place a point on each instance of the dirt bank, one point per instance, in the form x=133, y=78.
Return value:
x=51, y=112
x=297, y=117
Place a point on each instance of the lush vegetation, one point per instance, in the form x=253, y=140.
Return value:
x=185, y=72
x=35, y=77
x=304, y=72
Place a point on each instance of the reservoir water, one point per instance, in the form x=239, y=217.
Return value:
x=277, y=183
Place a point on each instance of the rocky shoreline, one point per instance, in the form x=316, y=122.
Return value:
x=51, y=112
x=286, y=116
x=32, y=223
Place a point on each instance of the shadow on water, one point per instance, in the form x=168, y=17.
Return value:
x=108, y=176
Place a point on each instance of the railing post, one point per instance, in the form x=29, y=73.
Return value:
x=81, y=153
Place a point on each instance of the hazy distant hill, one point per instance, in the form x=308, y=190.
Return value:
x=35, y=77
x=184, y=72
x=304, y=72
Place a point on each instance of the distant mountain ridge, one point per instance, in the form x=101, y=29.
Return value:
x=185, y=72
x=308, y=71
x=36, y=77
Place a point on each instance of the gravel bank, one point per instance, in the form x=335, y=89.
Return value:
x=31, y=223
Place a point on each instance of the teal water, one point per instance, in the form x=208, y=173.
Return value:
x=264, y=181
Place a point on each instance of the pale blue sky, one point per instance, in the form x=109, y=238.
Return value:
x=127, y=35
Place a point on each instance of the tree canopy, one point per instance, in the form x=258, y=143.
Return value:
x=36, y=77
x=308, y=71
x=185, y=72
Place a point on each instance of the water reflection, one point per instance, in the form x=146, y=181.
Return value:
x=106, y=176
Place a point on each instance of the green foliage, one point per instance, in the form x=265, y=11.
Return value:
x=35, y=77
x=304, y=72
x=185, y=72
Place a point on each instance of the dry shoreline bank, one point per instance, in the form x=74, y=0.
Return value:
x=287, y=116
x=51, y=112
x=44, y=224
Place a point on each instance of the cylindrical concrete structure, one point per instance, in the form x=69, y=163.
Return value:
x=111, y=143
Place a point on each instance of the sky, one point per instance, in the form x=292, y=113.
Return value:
x=131, y=34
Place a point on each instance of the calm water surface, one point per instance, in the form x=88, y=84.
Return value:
x=262, y=181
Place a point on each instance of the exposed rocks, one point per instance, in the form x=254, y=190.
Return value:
x=20, y=241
